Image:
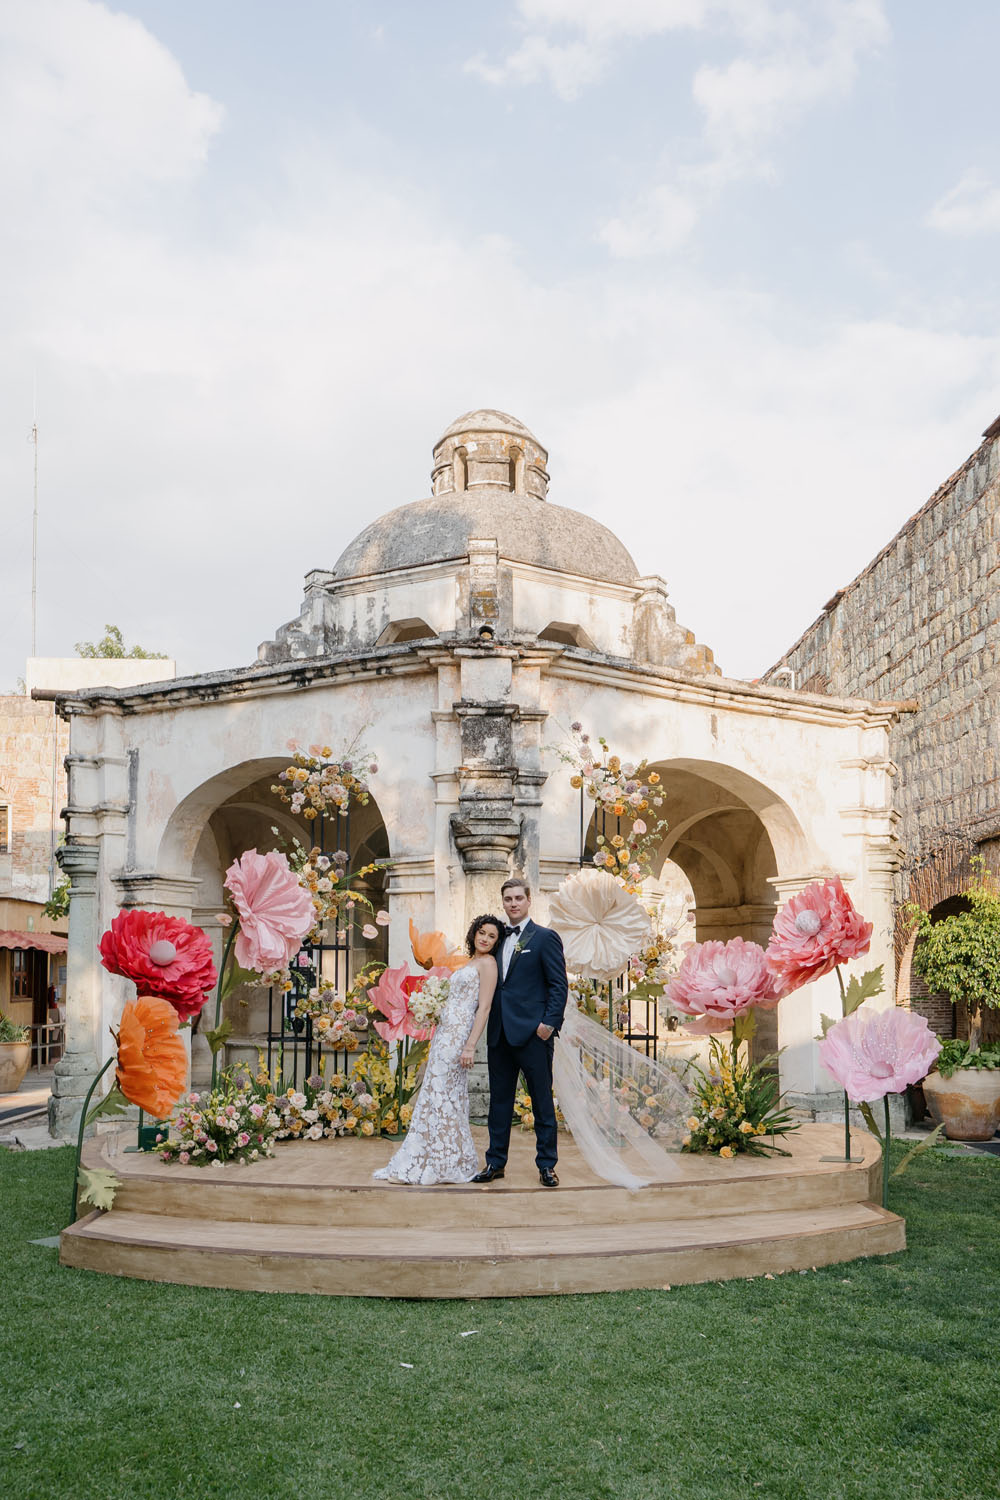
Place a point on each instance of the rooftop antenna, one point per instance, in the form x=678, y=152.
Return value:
x=34, y=518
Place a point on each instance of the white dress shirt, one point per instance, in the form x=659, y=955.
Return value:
x=509, y=944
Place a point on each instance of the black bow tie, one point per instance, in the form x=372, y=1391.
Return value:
x=511, y=932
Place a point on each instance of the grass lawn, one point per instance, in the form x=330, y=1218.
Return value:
x=867, y=1380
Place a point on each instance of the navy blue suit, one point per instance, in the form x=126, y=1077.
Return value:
x=533, y=994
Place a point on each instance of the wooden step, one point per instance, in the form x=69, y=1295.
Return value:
x=330, y=1183
x=474, y=1261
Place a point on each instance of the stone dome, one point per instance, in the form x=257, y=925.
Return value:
x=489, y=482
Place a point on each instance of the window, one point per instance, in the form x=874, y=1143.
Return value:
x=461, y=470
x=413, y=629
x=4, y=827
x=20, y=974
x=566, y=635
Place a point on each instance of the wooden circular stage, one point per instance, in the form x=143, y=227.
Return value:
x=310, y=1219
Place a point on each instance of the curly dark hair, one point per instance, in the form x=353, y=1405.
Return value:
x=484, y=921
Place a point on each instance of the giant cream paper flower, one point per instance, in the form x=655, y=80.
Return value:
x=600, y=923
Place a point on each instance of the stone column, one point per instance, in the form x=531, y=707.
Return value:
x=75, y=1070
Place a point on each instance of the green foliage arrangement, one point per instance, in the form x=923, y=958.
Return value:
x=955, y=1054
x=10, y=1031
x=737, y=1105
x=960, y=956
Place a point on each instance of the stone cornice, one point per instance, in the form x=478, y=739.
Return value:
x=722, y=692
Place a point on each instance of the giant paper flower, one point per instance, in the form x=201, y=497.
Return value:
x=275, y=912
x=717, y=982
x=391, y=996
x=876, y=1052
x=432, y=950
x=152, y=1063
x=600, y=923
x=813, y=932
x=163, y=956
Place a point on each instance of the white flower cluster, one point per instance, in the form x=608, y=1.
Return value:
x=428, y=1003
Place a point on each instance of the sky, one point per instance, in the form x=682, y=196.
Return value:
x=734, y=262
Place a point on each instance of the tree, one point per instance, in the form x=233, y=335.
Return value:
x=113, y=644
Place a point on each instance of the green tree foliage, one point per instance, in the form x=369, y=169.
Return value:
x=960, y=955
x=113, y=644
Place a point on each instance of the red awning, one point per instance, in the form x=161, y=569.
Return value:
x=48, y=942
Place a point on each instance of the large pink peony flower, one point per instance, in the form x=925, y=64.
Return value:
x=813, y=932
x=275, y=912
x=163, y=956
x=872, y=1053
x=717, y=982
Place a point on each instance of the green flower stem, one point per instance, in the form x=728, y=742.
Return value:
x=847, y=1103
x=79, y=1137
x=885, y=1154
x=218, y=991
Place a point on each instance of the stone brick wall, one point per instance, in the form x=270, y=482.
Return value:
x=922, y=623
x=33, y=745
x=921, y=626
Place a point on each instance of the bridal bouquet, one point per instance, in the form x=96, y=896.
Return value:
x=428, y=1002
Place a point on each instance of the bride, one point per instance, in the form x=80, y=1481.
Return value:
x=438, y=1146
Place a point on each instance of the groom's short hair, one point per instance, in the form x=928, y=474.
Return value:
x=515, y=880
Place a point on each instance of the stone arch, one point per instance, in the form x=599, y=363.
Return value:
x=731, y=836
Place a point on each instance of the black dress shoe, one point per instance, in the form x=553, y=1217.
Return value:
x=488, y=1174
x=547, y=1177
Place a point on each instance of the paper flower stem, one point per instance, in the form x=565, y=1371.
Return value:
x=79, y=1135
x=885, y=1154
x=847, y=1102
x=230, y=940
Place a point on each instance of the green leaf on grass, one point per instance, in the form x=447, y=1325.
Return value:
x=864, y=988
x=919, y=1149
x=97, y=1186
x=217, y=1039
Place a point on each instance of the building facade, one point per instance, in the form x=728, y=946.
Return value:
x=458, y=638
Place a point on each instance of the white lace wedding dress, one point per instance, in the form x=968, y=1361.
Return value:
x=438, y=1146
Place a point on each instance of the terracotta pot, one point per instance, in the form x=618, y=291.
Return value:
x=968, y=1102
x=14, y=1060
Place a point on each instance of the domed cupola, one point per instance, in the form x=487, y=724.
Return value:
x=490, y=448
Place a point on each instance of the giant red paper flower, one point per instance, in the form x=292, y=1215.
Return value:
x=814, y=932
x=872, y=1053
x=163, y=956
x=717, y=982
x=275, y=912
x=152, y=1063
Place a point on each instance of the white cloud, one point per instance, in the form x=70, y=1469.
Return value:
x=792, y=59
x=218, y=417
x=659, y=220
x=972, y=206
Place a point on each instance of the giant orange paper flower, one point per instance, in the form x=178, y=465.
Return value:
x=152, y=1063
x=431, y=950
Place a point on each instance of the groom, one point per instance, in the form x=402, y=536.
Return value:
x=525, y=1017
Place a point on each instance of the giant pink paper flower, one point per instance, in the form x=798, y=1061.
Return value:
x=275, y=912
x=876, y=1052
x=813, y=932
x=717, y=982
x=163, y=956
x=392, y=998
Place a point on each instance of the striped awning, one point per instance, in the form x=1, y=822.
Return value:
x=48, y=942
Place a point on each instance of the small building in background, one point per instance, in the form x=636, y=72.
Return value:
x=34, y=743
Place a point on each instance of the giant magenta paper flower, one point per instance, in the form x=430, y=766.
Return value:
x=275, y=912
x=872, y=1053
x=391, y=996
x=152, y=1062
x=814, y=932
x=163, y=956
x=718, y=982
x=432, y=950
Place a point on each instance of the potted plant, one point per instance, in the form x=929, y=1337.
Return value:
x=959, y=957
x=15, y=1054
